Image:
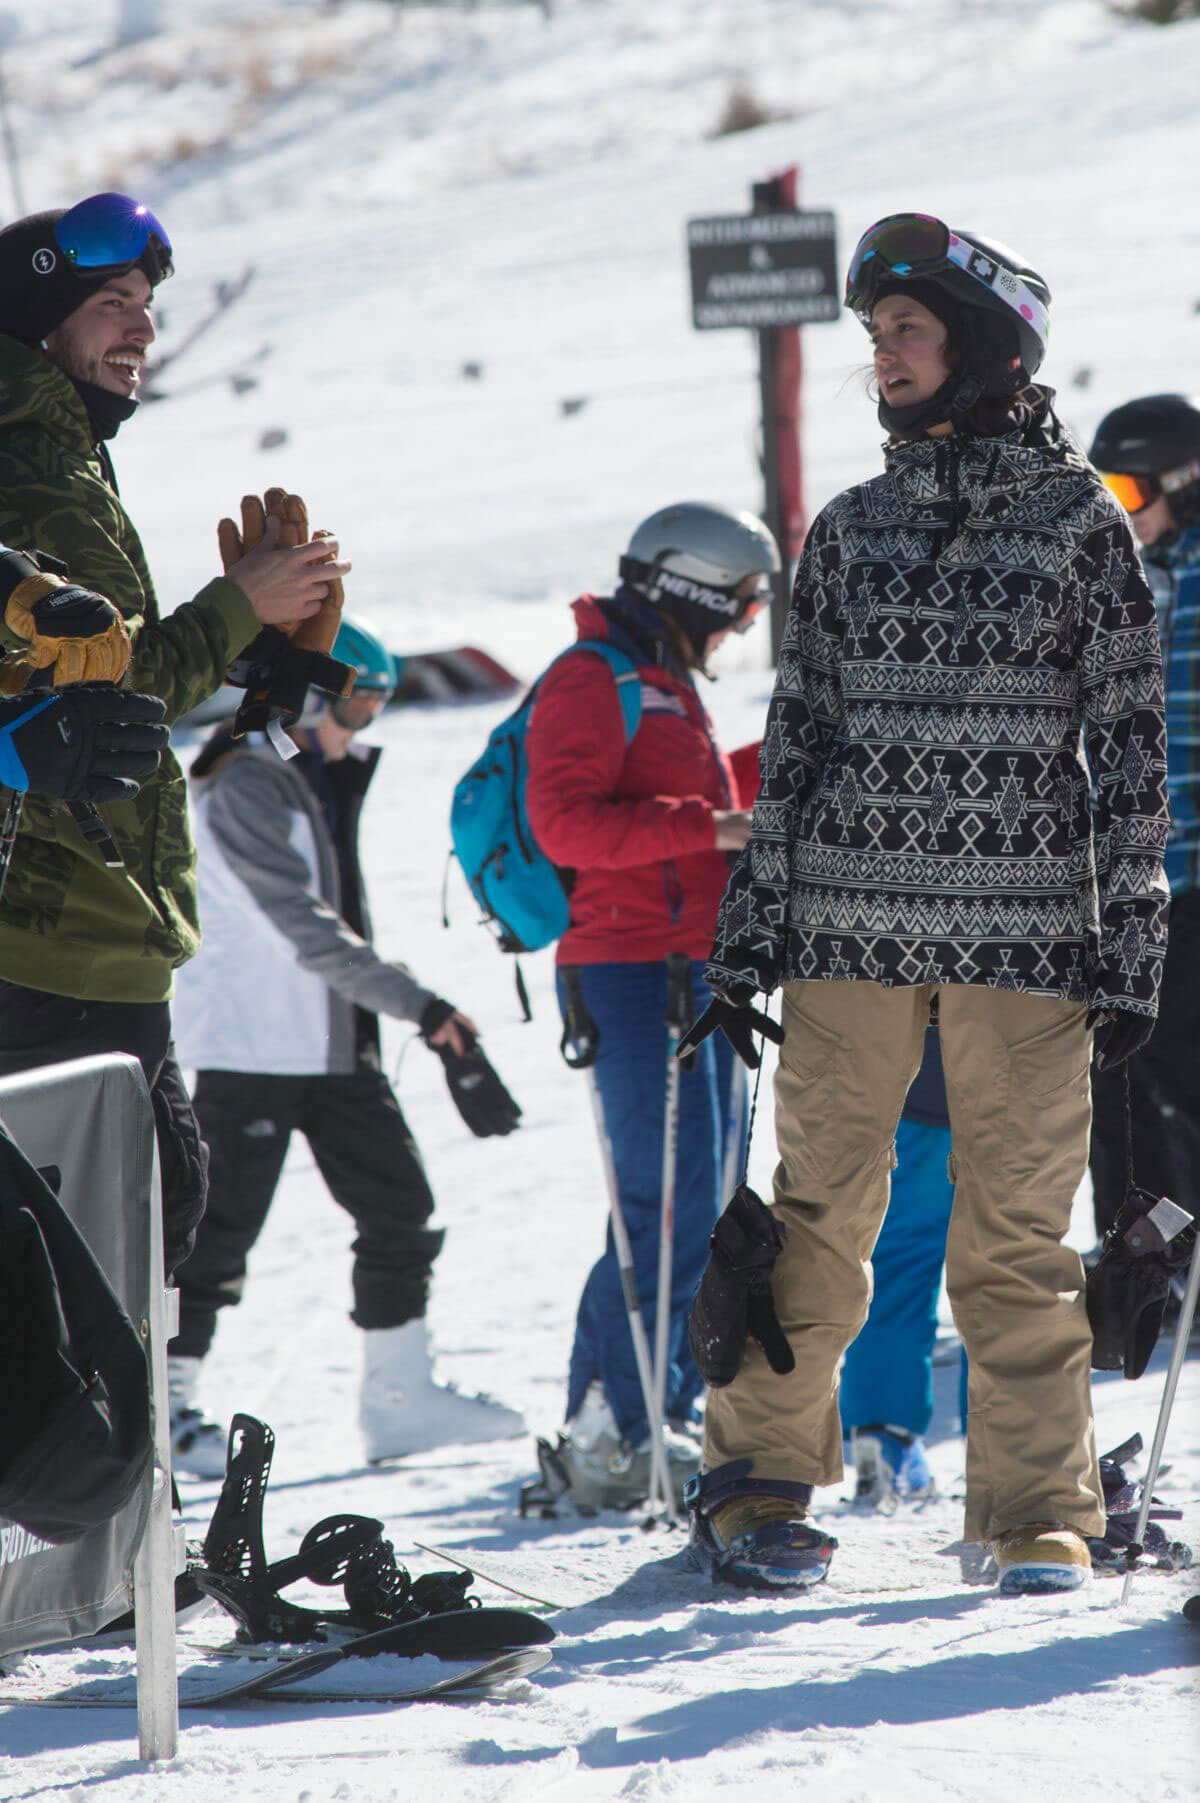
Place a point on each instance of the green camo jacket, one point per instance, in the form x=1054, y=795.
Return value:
x=67, y=923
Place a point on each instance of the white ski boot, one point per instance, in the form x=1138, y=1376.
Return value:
x=403, y=1410
x=198, y=1442
x=607, y=1473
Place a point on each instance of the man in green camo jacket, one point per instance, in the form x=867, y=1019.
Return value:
x=87, y=951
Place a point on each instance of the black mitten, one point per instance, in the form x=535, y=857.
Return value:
x=1150, y=1240
x=475, y=1088
x=734, y=1294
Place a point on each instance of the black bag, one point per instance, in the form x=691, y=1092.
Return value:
x=1127, y=1289
x=75, y=1439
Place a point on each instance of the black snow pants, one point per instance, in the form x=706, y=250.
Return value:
x=1164, y=1089
x=38, y=1028
x=366, y=1155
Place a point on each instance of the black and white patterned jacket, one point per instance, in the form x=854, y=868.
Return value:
x=960, y=628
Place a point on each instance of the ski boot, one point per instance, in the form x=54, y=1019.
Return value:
x=890, y=1467
x=594, y=1468
x=197, y=1441
x=755, y=1532
x=1039, y=1558
x=1117, y=1550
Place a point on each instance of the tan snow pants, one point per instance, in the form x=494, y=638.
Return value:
x=1018, y=1085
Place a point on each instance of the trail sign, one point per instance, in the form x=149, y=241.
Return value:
x=763, y=270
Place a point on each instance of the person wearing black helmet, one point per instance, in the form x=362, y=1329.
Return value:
x=1148, y=454
x=88, y=947
x=926, y=843
x=646, y=823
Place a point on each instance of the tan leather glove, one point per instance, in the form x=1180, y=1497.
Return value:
x=77, y=635
x=318, y=632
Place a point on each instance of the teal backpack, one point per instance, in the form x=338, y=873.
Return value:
x=522, y=894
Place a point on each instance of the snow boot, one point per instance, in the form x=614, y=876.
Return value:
x=403, y=1410
x=1040, y=1557
x=890, y=1467
x=198, y=1443
x=755, y=1532
x=605, y=1471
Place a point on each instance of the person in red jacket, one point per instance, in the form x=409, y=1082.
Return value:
x=646, y=826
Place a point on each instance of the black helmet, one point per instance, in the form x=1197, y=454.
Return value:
x=691, y=558
x=1000, y=305
x=1151, y=447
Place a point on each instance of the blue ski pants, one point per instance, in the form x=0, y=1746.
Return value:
x=628, y=1004
x=887, y=1377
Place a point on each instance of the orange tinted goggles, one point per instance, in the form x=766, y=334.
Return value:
x=1133, y=492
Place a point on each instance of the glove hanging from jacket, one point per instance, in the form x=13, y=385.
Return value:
x=475, y=1087
x=734, y=1297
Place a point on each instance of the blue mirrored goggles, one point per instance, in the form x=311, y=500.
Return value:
x=110, y=234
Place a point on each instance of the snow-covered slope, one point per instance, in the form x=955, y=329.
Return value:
x=422, y=188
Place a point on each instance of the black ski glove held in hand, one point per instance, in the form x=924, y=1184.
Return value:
x=90, y=743
x=734, y=1295
x=475, y=1088
x=1118, y=1035
x=739, y=1025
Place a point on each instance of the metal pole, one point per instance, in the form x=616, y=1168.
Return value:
x=637, y=1327
x=1183, y=1328
x=772, y=510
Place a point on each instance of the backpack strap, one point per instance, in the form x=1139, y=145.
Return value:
x=626, y=675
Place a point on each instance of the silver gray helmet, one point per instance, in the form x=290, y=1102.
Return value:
x=692, y=557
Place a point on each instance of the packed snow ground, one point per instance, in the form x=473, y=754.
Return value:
x=423, y=189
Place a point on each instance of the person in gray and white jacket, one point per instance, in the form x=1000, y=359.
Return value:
x=278, y=1015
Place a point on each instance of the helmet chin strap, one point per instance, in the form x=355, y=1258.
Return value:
x=947, y=405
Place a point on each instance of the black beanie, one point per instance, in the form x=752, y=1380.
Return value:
x=39, y=287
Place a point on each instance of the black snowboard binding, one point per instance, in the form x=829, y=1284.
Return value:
x=349, y=1550
x=1123, y=1495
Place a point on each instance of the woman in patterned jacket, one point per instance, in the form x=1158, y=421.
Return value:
x=969, y=631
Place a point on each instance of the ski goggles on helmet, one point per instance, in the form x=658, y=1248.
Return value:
x=1133, y=492
x=753, y=604
x=917, y=244
x=110, y=234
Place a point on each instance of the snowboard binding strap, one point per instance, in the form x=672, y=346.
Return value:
x=341, y=1549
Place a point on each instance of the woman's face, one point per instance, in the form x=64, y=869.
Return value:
x=910, y=350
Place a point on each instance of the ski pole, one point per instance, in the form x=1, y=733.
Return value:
x=733, y=1131
x=678, y=1020
x=1183, y=1328
x=637, y=1327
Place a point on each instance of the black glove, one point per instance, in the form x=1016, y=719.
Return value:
x=734, y=1295
x=475, y=1088
x=739, y=1023
x=87, y=743
x=1119, y=1035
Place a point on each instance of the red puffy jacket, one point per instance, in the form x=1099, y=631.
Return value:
x=634, y=822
